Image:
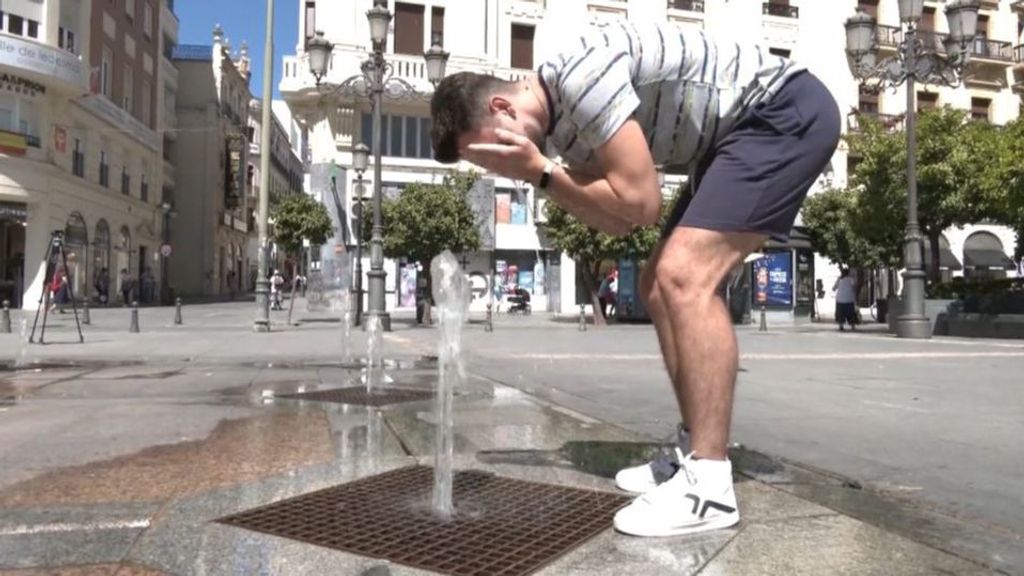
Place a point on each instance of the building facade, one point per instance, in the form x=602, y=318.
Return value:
x=286, y=177
x=509, y=38
x=211, y=230
x=79, y=147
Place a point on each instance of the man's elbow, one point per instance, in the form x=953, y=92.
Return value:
x=648, y=211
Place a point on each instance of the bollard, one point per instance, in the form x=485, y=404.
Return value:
x=86, y=319
x=489, y=324
x=134, y=328
x=5, y=318
x=177, y=311
x=583, y=318
x=764, y=321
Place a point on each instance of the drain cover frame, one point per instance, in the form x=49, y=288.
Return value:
x=502, y=526
x=357, y=396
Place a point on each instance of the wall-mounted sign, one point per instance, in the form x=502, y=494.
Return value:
x=13, y=144
x=20, y=85
x=41, y=59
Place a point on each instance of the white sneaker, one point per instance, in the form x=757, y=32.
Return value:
x=646, y=477
x=698, y=497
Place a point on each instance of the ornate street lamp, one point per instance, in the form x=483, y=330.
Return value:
x=914, y=62
x=376, y=80
x=360, y=161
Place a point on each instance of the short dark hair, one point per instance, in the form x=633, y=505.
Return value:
x=457, y=107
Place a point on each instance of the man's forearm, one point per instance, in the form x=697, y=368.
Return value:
x=591, y=199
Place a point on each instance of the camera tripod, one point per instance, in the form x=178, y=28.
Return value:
x=54, y=255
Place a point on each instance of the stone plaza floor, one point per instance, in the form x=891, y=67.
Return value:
x=120, y=455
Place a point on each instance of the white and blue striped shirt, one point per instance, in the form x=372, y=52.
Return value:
x=686, y=90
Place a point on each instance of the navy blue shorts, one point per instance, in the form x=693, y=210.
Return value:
x=756, y=179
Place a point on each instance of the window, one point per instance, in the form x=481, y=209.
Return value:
x=78, y=159
x=7, y=115
x=408, y=28
x=437, y=26
x=15, y=24
x=129, y=9
x=870, y=7
x=147, y=98
x=781, y=52
x=66, y=40
x=511, y=206
x=310, y=20
x=104, y=170
x=144, y=188
x=106, y=69
x=126, y=182
x=522, y=46
x=401, y=136
x=868, y=104
x=980, y=108
x=128, y=95
x=33, y=29
x=927, y=100
x=147, y=20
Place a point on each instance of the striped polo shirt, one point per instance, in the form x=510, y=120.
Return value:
x=686, y=89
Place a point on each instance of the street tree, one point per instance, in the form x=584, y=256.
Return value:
x=841, y=229
x=953, y=156
x=1004, y=182
x=298, y=217
x=423, y=221
x=590, y=248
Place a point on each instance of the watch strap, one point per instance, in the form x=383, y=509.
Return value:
x=545, y=177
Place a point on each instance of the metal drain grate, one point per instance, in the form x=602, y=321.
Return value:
x=357, y=395
x=502, y=527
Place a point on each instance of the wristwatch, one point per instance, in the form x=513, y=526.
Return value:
x=545, y=177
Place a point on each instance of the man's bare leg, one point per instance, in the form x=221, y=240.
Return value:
x=690, y=269
x=656, y=307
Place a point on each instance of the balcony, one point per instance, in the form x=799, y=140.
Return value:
x=993, y=50
x=889, y=37
x=298, y=82
x=48, y=65
x=169, y=72
x=780, y=10
x=891, y=122
x=686, y=5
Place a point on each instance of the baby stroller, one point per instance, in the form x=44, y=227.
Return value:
x=520, y=302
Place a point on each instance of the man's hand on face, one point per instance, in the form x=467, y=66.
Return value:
x=514, y=156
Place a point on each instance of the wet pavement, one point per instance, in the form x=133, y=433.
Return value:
x=118, y=456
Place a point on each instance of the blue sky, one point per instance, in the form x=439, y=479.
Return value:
x=241, y=20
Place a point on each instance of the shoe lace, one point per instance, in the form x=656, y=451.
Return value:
x=683, y=468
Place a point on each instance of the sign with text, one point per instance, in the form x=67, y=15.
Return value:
x=41, y=59
x=773, y=279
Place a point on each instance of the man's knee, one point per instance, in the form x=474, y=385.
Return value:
x=685, y=284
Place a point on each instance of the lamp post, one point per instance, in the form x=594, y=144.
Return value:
x=262, y=321
x=360, y=160
x=165, y=288
x=914, y=62
x=376, y=81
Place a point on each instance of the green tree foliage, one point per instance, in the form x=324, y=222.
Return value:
x=954, y=173
x=590, y=248
x=1004, y=181
x=426, y=219
x=841, y=229
x=297, y=217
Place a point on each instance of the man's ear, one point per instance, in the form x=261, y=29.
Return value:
x=498, y=104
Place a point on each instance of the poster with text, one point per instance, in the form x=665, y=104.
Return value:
x=773, y=279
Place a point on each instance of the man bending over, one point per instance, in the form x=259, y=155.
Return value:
x=753, y=130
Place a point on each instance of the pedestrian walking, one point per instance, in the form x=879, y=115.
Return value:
x=845, y=290
x=753, y=130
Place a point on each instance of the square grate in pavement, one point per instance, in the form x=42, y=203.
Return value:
x=357, y=395
x=501, y=526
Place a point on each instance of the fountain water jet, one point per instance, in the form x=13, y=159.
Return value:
x=344, y=309
x=374, y=357
x=21, y=360
x=451, y=294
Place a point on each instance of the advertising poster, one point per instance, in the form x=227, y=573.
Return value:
x=518, y=213
x=407, y=293
x=503, y=210
x=773, y=280
x=526, y=280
